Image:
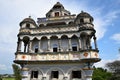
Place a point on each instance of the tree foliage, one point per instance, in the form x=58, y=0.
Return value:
x=101, y=74
x=17, y=71
x=114, y=67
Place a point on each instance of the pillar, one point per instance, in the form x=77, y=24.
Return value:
x=24, y=73
x=48, y=45
x=39, y=46
x=95, y=42
x=88, y=74
x=69, y=44
x=19, y=43
x=29, y=46
x=89, y=42
x=59, y=44
x=79, y=41
x=88, y=70
x=25, y=46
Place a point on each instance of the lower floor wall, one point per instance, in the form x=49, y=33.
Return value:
x=56, y=72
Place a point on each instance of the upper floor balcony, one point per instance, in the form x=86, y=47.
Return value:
x=70, y=56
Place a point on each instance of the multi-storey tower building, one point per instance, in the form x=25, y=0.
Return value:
x=57, y=47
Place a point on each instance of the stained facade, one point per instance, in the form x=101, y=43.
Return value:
x=58, y=46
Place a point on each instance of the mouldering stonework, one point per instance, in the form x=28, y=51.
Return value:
x=57, y=47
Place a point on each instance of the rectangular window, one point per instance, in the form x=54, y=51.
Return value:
x=36, y=50
x=74, y=48
x=27, y=25
x=81, y=20
x=55, y=74
x=34, y=74
x=54, y=49
x=76, y=74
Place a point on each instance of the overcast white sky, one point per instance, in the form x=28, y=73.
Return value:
x=106, y=15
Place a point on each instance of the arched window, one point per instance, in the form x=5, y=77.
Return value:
x=26, y=42
x=64, y=43
x=54, y=43
x=44, y=44
x=35, y=45
x=74, y=42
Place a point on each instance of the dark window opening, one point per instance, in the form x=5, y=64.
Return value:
x=90, y=20
x=76, y=74
x=34, y=74
x=81, y=20
x=55, y=49
x=56, y=14
x=65, y=14
x=27, y=25
x=36, y=50
x=54, y=74
x=74, y=48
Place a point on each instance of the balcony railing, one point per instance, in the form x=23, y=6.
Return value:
x=58, y=56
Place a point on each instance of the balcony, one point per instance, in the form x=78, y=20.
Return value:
x=81, y=56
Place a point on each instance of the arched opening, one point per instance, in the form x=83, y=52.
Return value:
x=64, y=43
x=75, y=74
x=54, y=43
x=55, y=74
x=74, y=42
x=44, y=44
x=85, y=39
x=41, y=25
x=35, y=45
x=26, y=42
x=71, y=23
x=35, y=74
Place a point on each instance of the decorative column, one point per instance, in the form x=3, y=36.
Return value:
x=19, y=43
x=88, y=69
x=95, y=42
x=59, y=44
x=39, y=46
x=25, y=46
x=29, y=46
x=79, y=41
x=88, y=74
x=48, y=45
x=69, y=44
x=43, y=78
x=24, y=73
x=89, y=42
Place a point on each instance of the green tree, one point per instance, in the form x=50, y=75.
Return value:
x=114, y=67
x=101, y=74
x=17, y=71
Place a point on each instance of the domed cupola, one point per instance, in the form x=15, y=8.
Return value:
x=28, y=23
x=57, y=10
x=84, y=18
